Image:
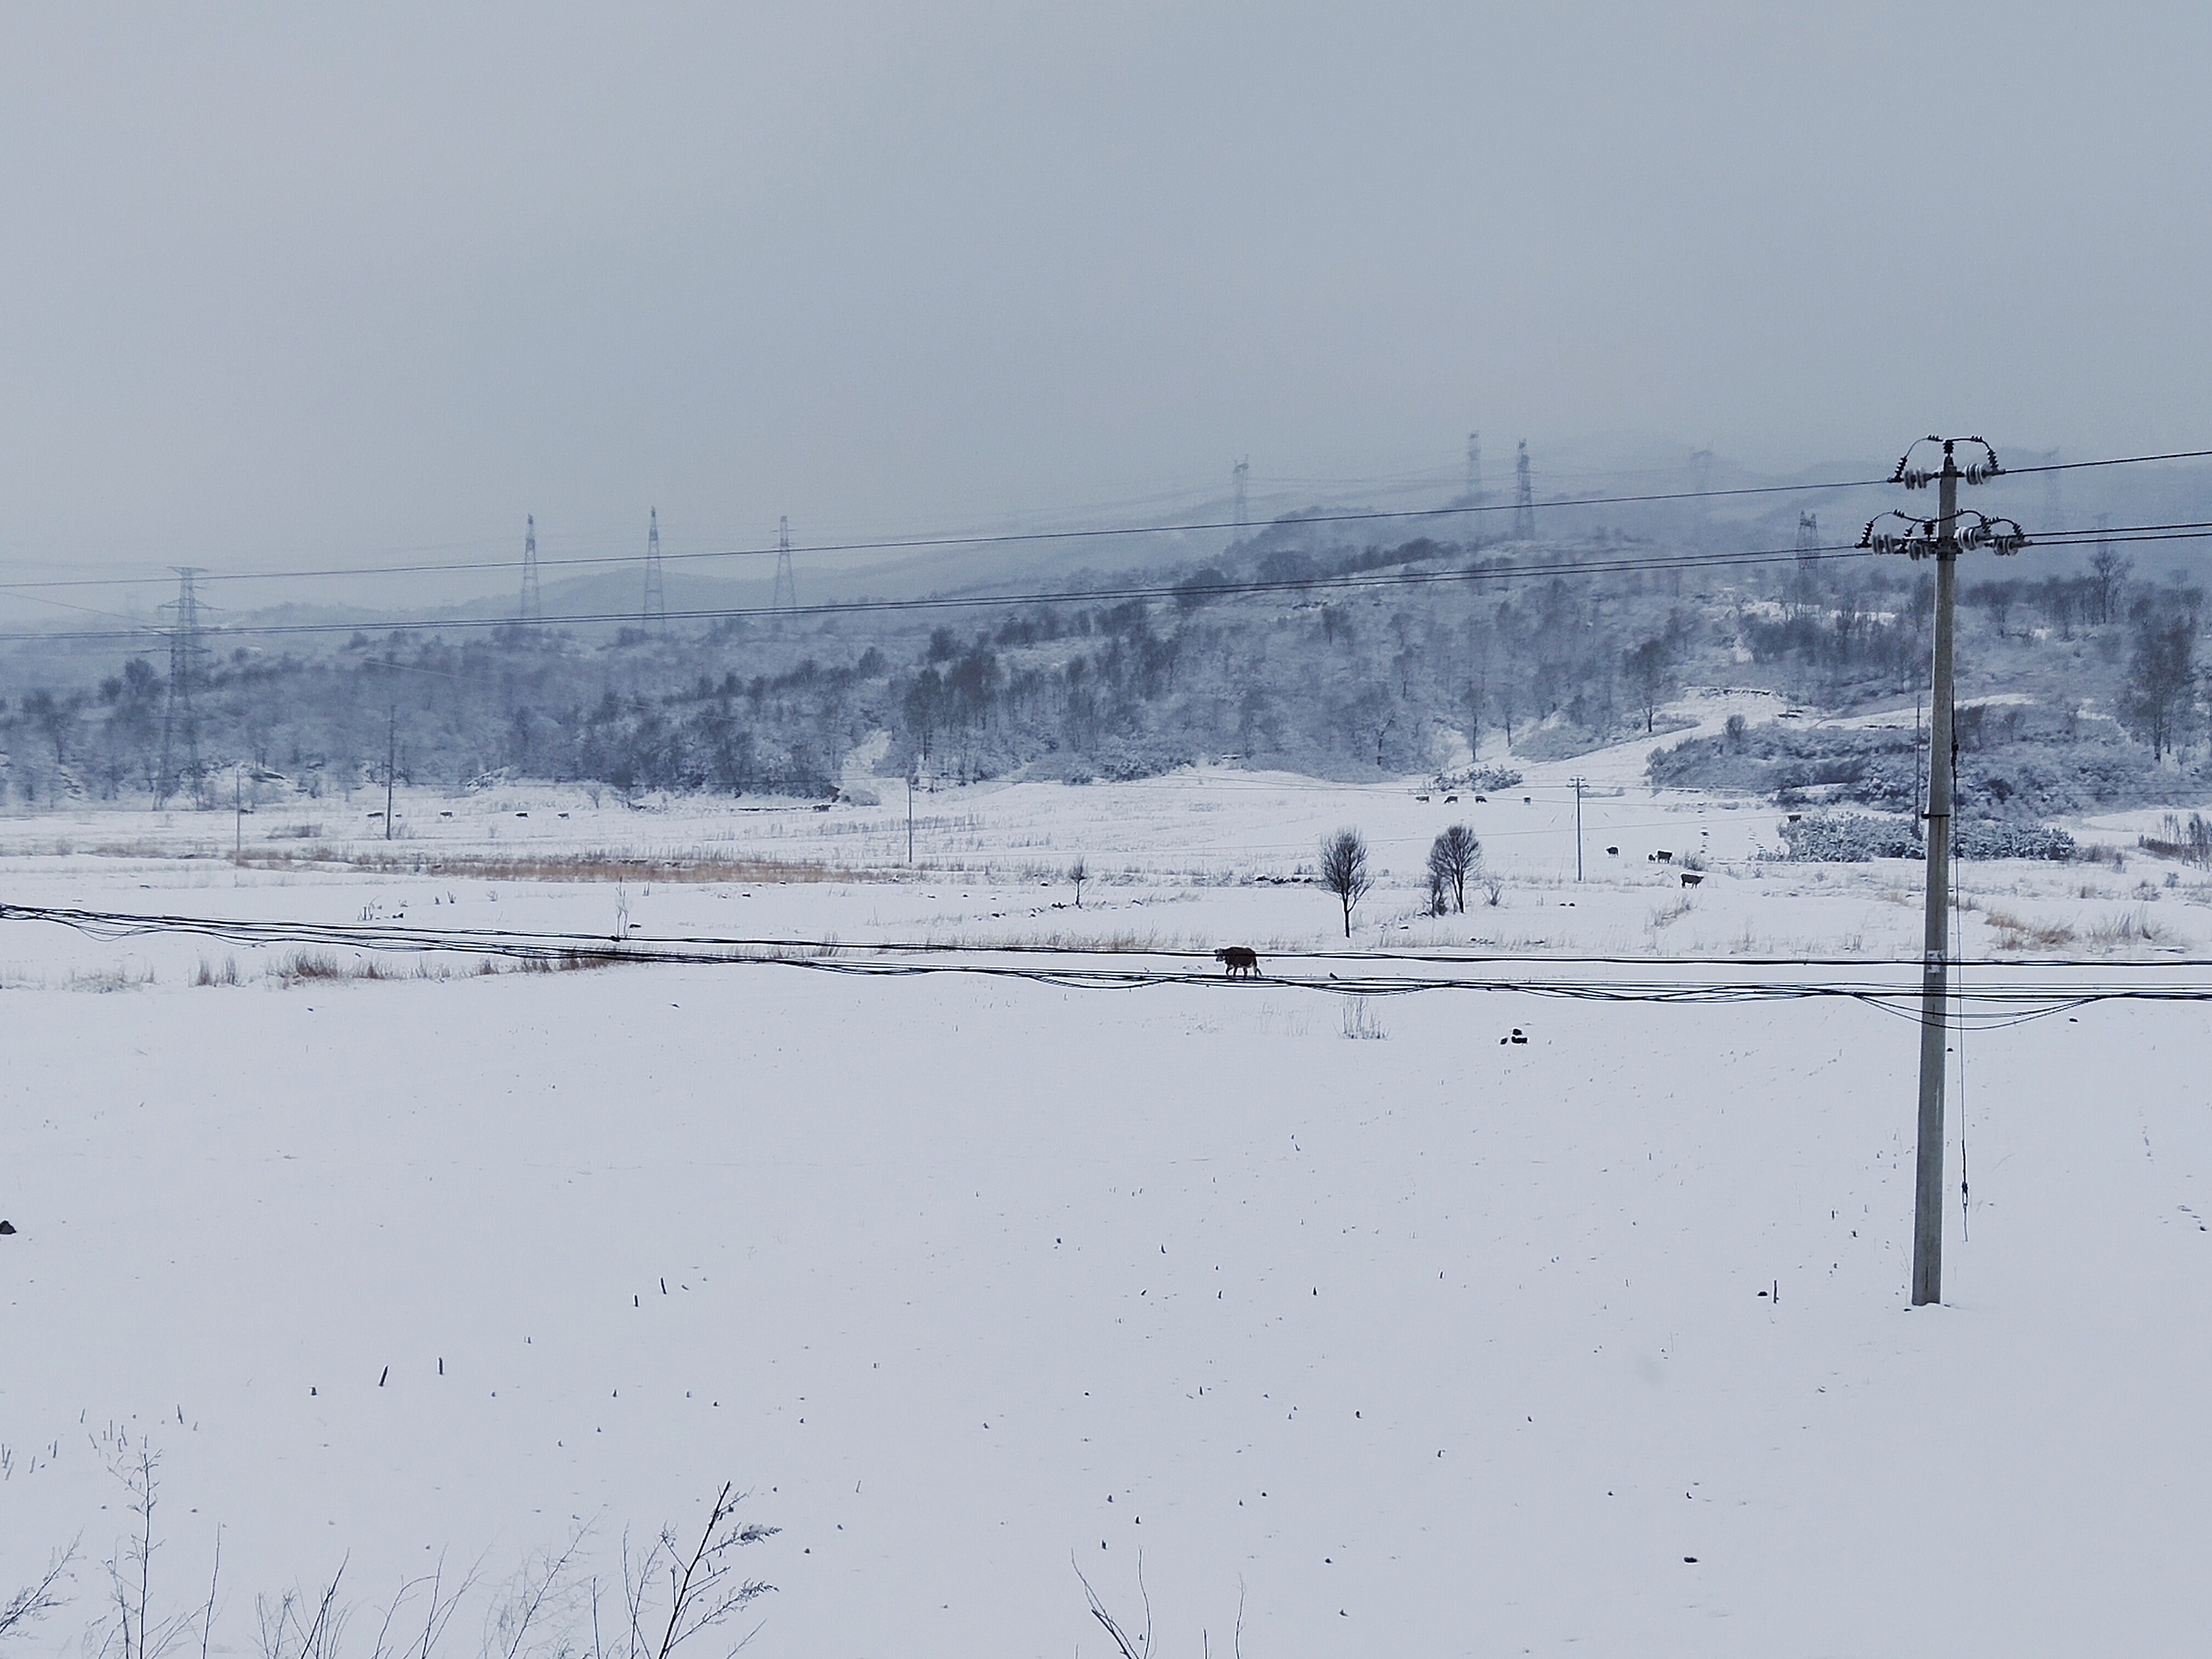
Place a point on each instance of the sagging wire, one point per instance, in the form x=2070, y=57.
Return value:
x=2001, y=1006
x=1958, y=991
x=385, y=936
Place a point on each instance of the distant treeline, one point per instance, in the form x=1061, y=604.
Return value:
x=1346, y=681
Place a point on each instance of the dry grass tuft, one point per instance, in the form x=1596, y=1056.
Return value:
x=1359, y=1021
x=2016, y=933
x=2127, y=928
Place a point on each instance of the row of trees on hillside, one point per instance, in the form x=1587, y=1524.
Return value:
x=1458, y=650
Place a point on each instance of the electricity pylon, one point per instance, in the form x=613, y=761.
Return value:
x=180, y=718
x=786, y=585
x=531, y=610
x=656, y=591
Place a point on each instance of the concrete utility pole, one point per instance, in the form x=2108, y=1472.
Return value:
x=1578, y=781
x=1940, y=538
x=1935, y=978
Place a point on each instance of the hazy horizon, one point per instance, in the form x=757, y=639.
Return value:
x=296, y=286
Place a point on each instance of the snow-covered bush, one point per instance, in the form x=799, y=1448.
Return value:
x=1856, y=837
x=1477, y=777
x=1994, y=838
x=1849, y=838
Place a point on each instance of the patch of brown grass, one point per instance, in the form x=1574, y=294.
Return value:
x=562, y=866
x=2016, y=933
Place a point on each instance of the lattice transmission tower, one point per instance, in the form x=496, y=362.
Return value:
x=2054, y=503
x=1475, y=492
x=180, y=718
x=656, y=589
x=1524, y=497
x=531, y=610
x=1808, y=535
x=1239, y=474
x=1701, y=468
x=787, y=584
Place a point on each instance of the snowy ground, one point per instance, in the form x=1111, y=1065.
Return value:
x=1430, y=1343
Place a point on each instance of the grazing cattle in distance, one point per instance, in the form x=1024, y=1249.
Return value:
x=1691, y=879
x=1663, y=856
x=1238, y=959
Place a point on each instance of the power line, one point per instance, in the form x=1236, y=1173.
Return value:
x=1352, y=582
x=391, y=936
x=1020, y=538
x=1349, y=583
x=1995, y=1004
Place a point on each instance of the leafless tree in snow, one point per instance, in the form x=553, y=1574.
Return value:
x=1453, y=856
x=1344, y=870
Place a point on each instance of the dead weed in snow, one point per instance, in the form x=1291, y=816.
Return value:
x=2016, y=933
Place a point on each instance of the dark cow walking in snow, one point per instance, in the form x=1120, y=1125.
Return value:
x=1238, y=959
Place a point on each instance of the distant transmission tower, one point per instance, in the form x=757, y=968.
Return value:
x=786, y=585
x=2054, y=505
x=656, y=591
x=1475, y=491
x=1701, y=465
x=1524, y=497
x=1239, y=473
x=532, y=610
x=1809, y=534
x=180, y=720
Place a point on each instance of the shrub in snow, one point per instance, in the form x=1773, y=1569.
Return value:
x=1848, y=838
x=1856, y=837
x=1477, y=777
x=1993, y=838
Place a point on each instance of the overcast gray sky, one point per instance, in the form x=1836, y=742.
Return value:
x=319, y=280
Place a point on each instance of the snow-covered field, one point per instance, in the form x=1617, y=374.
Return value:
x=1427, y=1343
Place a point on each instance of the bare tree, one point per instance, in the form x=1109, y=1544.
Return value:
x=137, y=1632
x=1453, y=856
x=1077, y=872
x=2108, y=576
x=1344, y=870
x=2156, y=702
x=1130, y=1644
x=1650, y=668
x=34, y=1601
x=704, y=1587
